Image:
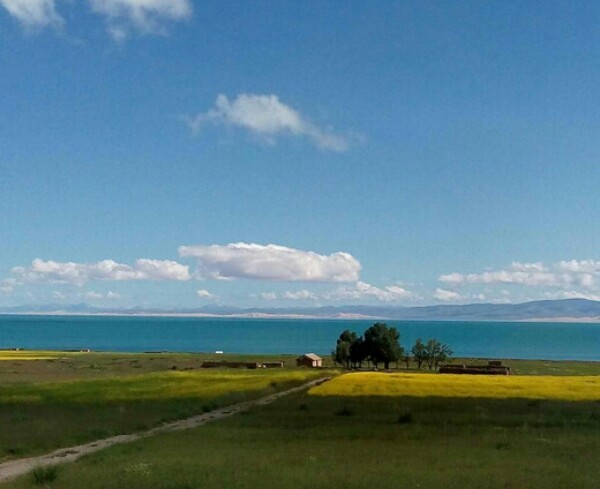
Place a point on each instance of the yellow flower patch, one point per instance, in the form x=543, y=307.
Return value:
x=567, y=388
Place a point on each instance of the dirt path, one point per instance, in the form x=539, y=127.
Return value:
x=15, y=468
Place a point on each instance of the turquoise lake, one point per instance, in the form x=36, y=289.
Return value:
x=552, y=341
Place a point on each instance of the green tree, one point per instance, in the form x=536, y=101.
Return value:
x=382, y=344
x=443, y=354
x=406, y=358
x=419, y=353
x=431, y=350
x=341, y=354
x=437, y=353
x=358, y=352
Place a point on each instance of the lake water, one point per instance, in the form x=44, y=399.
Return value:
x=552, y=341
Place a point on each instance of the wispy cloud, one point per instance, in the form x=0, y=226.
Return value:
x=271, y=262
x=7, y=286
x=268, y=118
x=79, y=274
x=205, y=294
x=100, y=296
x=528, y=274
x=122, y=16
x=447, y=295
x=33, y=13
x=562, y=280
x=300, y=295
x=145, y=16
x=362, y=290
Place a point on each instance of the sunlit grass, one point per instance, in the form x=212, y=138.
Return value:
x=566, y=388
x=39, y=417
x=34, y=355
x=152, y=387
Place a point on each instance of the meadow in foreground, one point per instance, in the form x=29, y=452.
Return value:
x=39, y=417
x=316, y=441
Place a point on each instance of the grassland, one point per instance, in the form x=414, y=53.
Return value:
x=53, y=366
x=37, y=417
x=309, y=441
x=523, y=431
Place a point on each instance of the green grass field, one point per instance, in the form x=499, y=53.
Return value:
x=50, y=366
x=37, y=417
x=310, y=441
x=304, y=441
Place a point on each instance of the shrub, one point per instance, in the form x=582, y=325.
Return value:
x=45, y=475
x=502, y=445
x=405, y=418
x=345, y=411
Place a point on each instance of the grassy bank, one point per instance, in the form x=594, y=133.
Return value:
x=309, y=441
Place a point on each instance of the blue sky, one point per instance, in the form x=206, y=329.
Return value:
x=179, y=153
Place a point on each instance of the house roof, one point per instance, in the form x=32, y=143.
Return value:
x=311, y=356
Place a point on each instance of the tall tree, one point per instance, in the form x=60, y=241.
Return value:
x=382, y=344
x=419, y=352
x=437, y=353
x=358, y=352
x=444, y=353
x=432, y=348
x=341, y=354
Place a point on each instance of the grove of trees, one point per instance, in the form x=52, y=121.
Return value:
x=380, y=344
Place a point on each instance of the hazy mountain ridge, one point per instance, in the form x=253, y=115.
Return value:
x=568, y=309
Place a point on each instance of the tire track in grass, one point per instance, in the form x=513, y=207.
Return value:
x=16, y=468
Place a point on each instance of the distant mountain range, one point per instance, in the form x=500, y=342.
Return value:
x=547, y=310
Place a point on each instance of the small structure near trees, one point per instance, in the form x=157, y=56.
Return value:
x=494, y=367
x=309, y=360
x=251, y=365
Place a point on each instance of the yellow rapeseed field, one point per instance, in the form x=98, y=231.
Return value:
x=568, y=388
x=21, y=355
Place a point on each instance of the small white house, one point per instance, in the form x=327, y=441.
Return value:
x=309, y=360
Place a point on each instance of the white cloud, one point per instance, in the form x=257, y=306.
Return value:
x=363, y=290
x=447, y=295
x=100, y=296
x=530, y=274
x=7, y=286
x=268, y=296
x=562, y=274
x=267, y=117
x=42, y=271
x=271, y=262
x=580, y=266
x=146, y=16
x=33, y=13
x=205, y=294
x=61, y=296
x=300, y=295
x=527, y=267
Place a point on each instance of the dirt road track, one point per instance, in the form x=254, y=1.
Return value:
x=15, y=468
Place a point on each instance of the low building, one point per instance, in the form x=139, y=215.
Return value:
x=273, y=364
x=494, y=367
x=309, y=360
x=251, y=365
